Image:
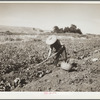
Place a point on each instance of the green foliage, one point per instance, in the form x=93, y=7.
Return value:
x=79, y=31
x=61, y=30
x=56, y=29
x=72, y=29
x=8, y=33
x=66, y=29
x=41, y=30
x=16, y=56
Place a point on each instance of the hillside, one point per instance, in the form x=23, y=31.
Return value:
x=20, y=30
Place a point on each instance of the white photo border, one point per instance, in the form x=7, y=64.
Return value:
x=50, y=95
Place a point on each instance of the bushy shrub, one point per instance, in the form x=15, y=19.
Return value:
x=8, y=33
x=72, y=29
x=41, y=30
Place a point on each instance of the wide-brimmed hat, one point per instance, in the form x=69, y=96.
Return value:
x=51, y=40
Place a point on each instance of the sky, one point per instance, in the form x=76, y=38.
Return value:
x=47, y=15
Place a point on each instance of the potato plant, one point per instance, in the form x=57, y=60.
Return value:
x=20, y=58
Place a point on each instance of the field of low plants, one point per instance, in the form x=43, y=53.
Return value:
x=18, y=60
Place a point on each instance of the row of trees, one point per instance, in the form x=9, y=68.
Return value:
x=72, y=29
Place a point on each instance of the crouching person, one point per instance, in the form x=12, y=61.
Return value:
x=57, y=47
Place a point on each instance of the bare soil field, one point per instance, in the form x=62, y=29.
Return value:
x=18, y=60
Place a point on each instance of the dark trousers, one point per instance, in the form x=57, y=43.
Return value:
x=61, y=52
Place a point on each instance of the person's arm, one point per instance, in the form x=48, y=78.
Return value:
x=61, y=43
x=50, y=51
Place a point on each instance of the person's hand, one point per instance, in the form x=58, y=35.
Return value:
x=49, y=53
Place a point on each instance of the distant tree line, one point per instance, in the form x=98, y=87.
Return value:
x=72, y=29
